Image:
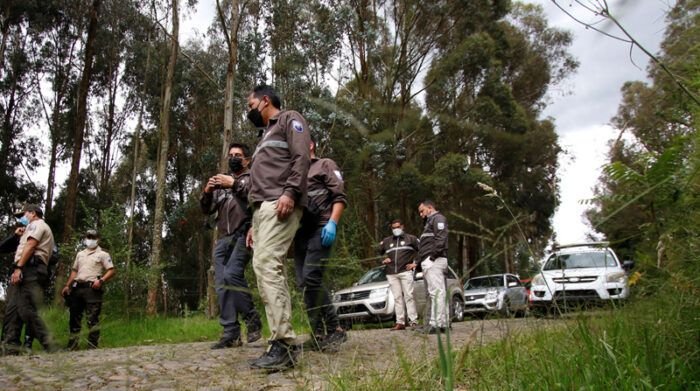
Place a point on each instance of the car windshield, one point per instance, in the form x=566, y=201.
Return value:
x=484, y=282
x=374, y=275
x=580, y=260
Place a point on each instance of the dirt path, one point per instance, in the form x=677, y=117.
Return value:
x=195, y=366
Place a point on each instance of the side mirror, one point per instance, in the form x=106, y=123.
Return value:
x=628, y=265
x=512, y=284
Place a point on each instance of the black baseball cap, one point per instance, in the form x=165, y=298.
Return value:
x=30, y=208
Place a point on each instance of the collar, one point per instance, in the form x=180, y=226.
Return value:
x=244, y=172
x=93, y=250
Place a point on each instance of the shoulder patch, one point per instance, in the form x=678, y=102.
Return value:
x=440, y=225
x=298, y=127
x=338, y=174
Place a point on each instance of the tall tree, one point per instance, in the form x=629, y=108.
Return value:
x=162, y=165
x=80, y=121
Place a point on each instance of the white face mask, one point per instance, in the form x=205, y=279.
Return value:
x=397, y=231
x=90, y=243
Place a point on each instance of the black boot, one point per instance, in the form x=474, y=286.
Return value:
x=226, y=342
x=278, y=357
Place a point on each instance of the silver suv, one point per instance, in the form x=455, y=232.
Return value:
x=371, y=300
x=502, y=293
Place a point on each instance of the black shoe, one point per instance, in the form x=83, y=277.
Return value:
x=278, y=357
x=314, y=343
x=331, y=342
x=436, y=330
x=253, y=335
x=227, y=343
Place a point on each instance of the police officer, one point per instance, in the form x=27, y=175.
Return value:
x=312, y=248
x=30, y=272
x=84, y=289
x=278, y=195
x=227, y=196
x=432, y=254
x=400, y=250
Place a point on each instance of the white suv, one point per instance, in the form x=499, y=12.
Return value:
x=578, y=274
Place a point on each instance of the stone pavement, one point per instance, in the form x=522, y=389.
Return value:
x=193, y=366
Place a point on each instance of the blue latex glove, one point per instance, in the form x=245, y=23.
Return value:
x=328, y=234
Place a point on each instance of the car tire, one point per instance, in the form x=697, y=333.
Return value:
x=505, y=309
x=457, y=308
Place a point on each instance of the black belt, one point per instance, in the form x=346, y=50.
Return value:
x=82, y=284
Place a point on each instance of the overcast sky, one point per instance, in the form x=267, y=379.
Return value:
x=594, y=95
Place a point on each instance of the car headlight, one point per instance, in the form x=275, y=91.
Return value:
x=538, y=280
x=378, y=293
x=336, y=298
x=616, y=277
x=491, y=296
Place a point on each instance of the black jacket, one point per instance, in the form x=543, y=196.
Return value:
x=433, y=241
x=401, y=250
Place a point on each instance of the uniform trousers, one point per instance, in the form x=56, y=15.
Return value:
x=84, y=299
x=434, y=275
x=401, y=285
x=311, y=261
x=235, y=301
x=271, y=239
x=22, y=307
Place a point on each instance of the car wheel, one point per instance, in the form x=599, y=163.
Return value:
x=505, y=309
x=457, y=309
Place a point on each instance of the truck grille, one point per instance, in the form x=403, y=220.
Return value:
x=474, y=297
x=352, y=309
x=572, y=294
x=354, y=296
x=574, y=280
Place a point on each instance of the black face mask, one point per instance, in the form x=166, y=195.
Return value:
x=235, y=164
x=256, y=118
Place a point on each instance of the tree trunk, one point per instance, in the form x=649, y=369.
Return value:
x=81, y=118
x=154, y=279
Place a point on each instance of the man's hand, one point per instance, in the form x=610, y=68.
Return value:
x=65, y=291
x=16, y=277
x=285, y=206
x=97, y=284
x=249, y=238
x=211, y=185
x=224, y=181
x=410, y=266
x=386, y=261
x=20, y=231
x=328, y=234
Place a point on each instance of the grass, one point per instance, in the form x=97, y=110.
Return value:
x=651, y=343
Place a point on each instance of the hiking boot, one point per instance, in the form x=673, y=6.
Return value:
x=314, y=343
x=397, y=327
x=225, y=343
x=331, y=342
x=253, y=335
x=278, y=357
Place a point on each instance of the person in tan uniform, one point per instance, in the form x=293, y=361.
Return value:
x=24, y=294
x=84, y=289
x=277, y=196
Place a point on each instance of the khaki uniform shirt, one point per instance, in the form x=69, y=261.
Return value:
x=40, y=231
x=91, y=263
x=281, y=160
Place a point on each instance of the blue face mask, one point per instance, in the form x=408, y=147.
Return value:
x=24, y=221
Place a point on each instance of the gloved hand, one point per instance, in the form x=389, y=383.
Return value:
x=328, y=234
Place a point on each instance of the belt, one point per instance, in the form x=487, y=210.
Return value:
x=82, y=284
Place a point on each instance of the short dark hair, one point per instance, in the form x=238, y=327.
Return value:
x=264, y=90
x=394, y=221
x=427, y=203
x=30, y=208
x=242, y=147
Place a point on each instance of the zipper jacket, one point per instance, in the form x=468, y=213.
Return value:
x=326, y=187
x=281, y=161
x=401, y=250
x=433, y=241
x=231, y=205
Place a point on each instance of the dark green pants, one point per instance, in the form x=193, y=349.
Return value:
x=22, y=307
x=86, y=300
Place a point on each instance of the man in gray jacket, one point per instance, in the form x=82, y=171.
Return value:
x=433, y=262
